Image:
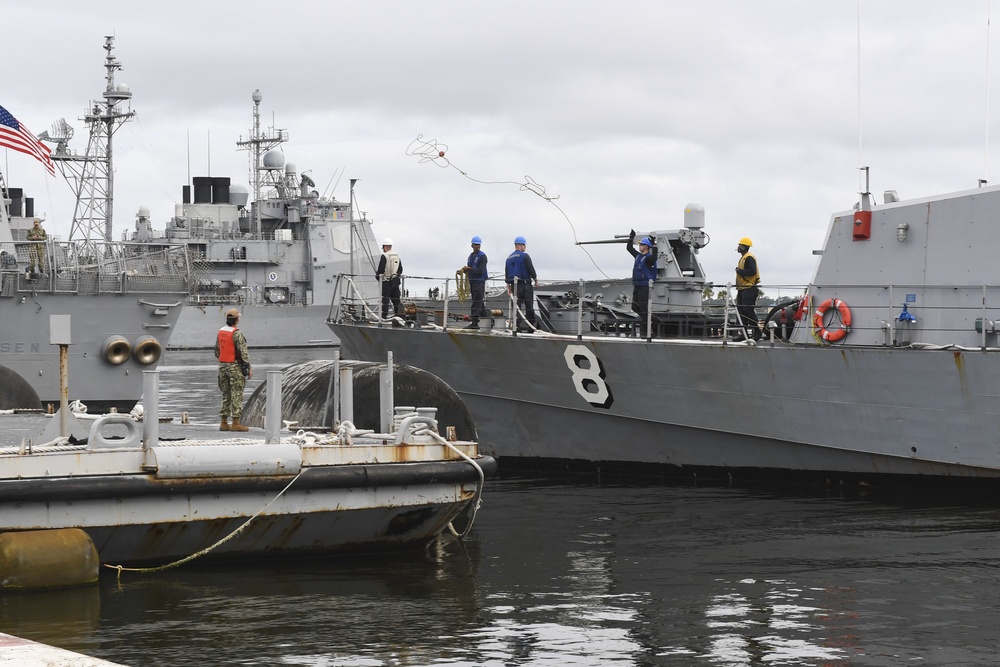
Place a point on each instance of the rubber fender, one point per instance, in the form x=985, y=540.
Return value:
x=57, y=558
x=147, y=350
x=304, y=390
x=16, y=393
x=117, y=350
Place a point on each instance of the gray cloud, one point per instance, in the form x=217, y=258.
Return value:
x=627, y=112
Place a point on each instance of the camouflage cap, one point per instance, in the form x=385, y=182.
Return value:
x=232, y=312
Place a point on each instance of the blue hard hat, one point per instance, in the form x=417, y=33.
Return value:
x=520, y=239
x=477, y=240
x=646, y=242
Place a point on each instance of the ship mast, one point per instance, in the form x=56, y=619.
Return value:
x=258, y=144
x=6, y=234
x=91, y=175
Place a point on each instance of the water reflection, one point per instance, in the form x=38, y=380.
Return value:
x=580, y=571
x=67, y=618
x=317, y=611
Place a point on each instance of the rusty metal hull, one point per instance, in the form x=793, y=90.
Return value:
x=137, y=518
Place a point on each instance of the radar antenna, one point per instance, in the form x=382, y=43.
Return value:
x=259, y=142
x=60, y=135
x=91, y=175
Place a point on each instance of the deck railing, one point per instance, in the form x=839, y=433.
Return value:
x=93, y=268
x=885, y=315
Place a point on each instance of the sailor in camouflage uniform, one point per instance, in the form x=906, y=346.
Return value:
x=37, y=250
x=234, y=361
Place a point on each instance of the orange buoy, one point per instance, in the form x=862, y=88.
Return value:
x=828, y=333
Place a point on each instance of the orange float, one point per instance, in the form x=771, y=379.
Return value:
x=833, y=306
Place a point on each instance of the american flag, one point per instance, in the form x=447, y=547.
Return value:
x=15, y=135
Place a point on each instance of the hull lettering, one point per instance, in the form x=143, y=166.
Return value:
x=588, y=376
x=19, y=347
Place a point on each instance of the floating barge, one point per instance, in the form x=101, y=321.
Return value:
x=151, y=494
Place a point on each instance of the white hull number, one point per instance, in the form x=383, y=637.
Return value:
x=588, y=376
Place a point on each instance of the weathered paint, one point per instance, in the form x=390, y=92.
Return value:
x=390, y=499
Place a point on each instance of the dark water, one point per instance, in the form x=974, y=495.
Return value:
x=578, y=571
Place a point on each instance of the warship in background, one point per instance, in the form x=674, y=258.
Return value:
x=114, y=304
x=881, y=369
x=275, y=258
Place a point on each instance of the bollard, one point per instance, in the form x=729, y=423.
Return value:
x=151, y=406
x=272, y=411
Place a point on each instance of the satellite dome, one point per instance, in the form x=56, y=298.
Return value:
x=290, y=168
x=239, y=194
x=274, y=159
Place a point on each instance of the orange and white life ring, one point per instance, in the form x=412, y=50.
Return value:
x=839, y=307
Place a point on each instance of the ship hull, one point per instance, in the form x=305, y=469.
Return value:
x=860, y=411
x=26, y=349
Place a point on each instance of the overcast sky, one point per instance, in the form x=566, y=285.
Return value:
x=625, y=111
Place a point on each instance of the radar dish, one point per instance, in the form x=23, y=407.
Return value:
x=61, y=132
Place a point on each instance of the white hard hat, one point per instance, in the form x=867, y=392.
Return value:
x=387, y=241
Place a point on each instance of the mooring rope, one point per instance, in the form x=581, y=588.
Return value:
x=188, y=559
x=477, y=501
x=478, y=497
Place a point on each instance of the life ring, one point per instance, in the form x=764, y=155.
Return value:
x=845, y=320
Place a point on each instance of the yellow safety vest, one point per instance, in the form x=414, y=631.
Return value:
x=742, y=282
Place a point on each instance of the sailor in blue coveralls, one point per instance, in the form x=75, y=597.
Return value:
x=643, y=271
x=475, y=267
x=519, y=266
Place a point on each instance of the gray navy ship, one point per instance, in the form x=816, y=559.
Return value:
x=115, y=305
x=103, y=309
x=882, y=368
x=274, y=250
x=275, y=256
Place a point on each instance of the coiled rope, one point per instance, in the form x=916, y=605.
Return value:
x=462, y=285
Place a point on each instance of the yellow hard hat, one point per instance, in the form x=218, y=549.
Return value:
x=232, y=312
x=746, y=241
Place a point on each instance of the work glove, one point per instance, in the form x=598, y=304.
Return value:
x=631, y=235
